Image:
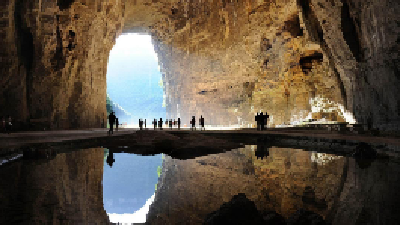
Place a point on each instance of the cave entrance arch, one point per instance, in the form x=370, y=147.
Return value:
x=134, y=81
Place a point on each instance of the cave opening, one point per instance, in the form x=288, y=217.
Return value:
x=134, y=82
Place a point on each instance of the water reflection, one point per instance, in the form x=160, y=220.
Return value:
x=129, y=184
x=290, y=182
x=62, y=189
x=80, y=187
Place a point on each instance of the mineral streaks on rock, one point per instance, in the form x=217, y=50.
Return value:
x=225, y=60
x=65, y=189
x=54, y=67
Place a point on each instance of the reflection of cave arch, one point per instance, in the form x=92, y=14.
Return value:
x=64, y=4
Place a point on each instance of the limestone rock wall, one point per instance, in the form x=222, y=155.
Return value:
x=54, y=60
x=225, y=60
x=64, y=190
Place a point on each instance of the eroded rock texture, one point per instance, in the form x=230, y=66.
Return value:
x=339, y=189
x=283, y=182
x=64, y=190
x=225, y=60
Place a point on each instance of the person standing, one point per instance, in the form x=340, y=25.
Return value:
x=179, y=123
x=202, y=123
x=155, y=124
x=193, y=122
x=160, y=123
x=140, y=124
x=111, y=119
x=116, y=124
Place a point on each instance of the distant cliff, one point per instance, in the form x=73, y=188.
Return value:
x=122, y=115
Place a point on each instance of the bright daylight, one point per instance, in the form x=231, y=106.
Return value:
x=134, y=82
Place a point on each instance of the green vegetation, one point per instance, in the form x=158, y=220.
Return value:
x=106, y=153
x=159, y=170
x=109, y=104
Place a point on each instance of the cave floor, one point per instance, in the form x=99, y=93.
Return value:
x=16, y=139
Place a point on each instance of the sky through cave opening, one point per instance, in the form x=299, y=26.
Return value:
x=134, y=81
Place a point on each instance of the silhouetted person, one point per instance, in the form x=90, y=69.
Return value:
x=140, y=124
x=201, y=121
x=116, y=124
x=262, y=149
x=265, y=119
x=111, y=120
x=110, y=158
x=170, y=124
x=193, y=122
x=160, y=123
x=261, y=120
x=179, y=123
x=155, y=123
x=145, y=123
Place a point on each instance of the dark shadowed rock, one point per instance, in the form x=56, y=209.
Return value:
x=305, y=217
x=239, y=210
x=364, y=155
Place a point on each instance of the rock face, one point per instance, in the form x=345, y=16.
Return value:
x=285, y=181
x=225, y=60
x=64, y=190
x=298, y=185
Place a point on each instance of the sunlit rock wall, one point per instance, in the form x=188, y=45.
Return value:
x=225, y=60
x=64, y=190
x=53, y=60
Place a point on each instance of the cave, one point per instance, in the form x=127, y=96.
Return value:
x=77, y=43
x=318, y=70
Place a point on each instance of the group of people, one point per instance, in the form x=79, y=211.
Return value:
x=168, y=122
x=112, y=119
x=6, y=123
x=261, y=120
x=201, y=122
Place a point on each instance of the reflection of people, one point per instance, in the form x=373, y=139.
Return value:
x=262, y=149
x=110, y=158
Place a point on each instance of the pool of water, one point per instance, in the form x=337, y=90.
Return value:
x=100, y=185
